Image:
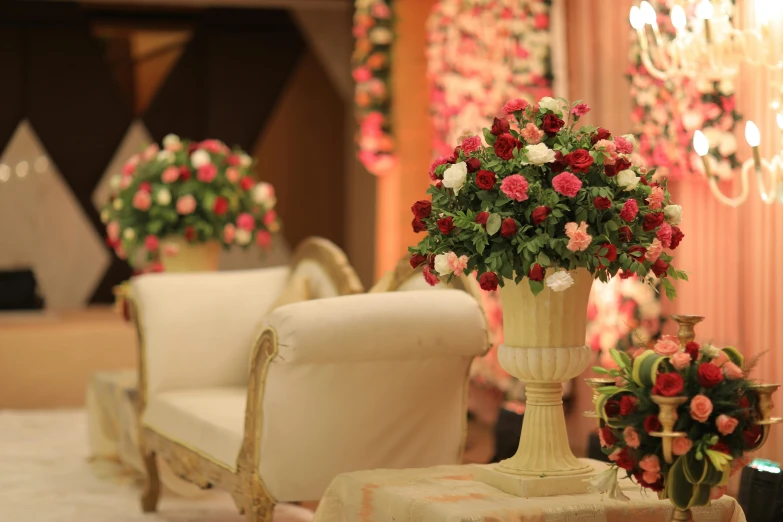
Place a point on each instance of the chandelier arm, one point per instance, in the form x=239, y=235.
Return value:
x=732, y=202
x=767, y=196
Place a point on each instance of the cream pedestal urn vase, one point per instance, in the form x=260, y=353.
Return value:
x=544, y=346
x=182, y=256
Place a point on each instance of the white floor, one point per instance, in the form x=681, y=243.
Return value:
x=46, y=476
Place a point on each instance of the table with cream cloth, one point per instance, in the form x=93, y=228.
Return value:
x=449, y=494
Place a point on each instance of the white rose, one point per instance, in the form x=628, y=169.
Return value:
x=170, y=141
x=115, y=181
x=454, y=177
x=245, y=160
x=442, y=264
x=104, y=216
x=380, y=36
x=199, y=158
x=163, y=197
x=551, y=104
x=129, y=234
x=559, y=281
x=242, y=236
x=264, y=194
x=628, y=179
x=166, y=156
x=539, y=154
x=710, y=351
x=117, y=204
x=673, y=214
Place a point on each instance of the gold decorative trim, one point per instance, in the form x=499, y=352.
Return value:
x=334, y=262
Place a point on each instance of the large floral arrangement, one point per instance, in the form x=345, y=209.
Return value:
x=666, y=114
x=372, y=29
x=541, y=195
x=202, y=191
x=715, y=418
x=479, y=54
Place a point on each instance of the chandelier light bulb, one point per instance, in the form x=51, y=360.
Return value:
x=779, y=119
x=763, y=10
x=700, y=143
x=678, y=17
x=637, y=21
x=704, y=9
x=752, y=134
x=648, y=14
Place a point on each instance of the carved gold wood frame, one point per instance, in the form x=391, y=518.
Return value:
x=245, y=484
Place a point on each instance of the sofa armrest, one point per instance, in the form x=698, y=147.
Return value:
x=197, y=329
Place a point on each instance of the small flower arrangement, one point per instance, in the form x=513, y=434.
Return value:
x=679, y=419
x=202, y=191
x=542, y=195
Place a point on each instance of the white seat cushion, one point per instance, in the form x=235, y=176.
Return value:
x=209, y=421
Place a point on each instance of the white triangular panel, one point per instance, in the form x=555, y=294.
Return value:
x=136, y=140
x=42, y=226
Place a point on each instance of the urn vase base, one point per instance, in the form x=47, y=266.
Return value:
x=542, y=485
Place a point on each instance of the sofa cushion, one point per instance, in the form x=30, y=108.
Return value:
x=209, y=421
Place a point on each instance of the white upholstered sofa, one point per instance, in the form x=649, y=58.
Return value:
x=335, y=384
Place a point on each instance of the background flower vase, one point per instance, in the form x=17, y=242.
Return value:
x=544, y=346
x=179, y=255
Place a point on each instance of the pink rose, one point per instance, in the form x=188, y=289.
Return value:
x=567, y=184
x=213, y=146
x=720, y=359
x=681, y=445
x=246, y=222
x=631, y=437
x=650, y=463
x=680, y=360
x=654, y=251
x=232, y=174
x=623, y=146
x=113, y=230
x=263, y=238
x=142, y=200
x=270, y=217
x=651, y=477
x=186, y=204
x=629, y=211
x=579, y=239
x=514, y=105
x=725, y=424
x=229, y=231
x=605, y=145
x=665, y=234
x=471, y=144
x=130, y=166
x=362, y=74
x=457, y=264
x=150, y=152
x=740, y=462
x=655, y=199
x=701, y=408
x=515, y=187
x=732, y=371
x=532, y=134
x=580, y=110
x=170, y=175
x=151, y=243
x=207, y=173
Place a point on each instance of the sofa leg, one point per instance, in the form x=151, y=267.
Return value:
x=151, y=491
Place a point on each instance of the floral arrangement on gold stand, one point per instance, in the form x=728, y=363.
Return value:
x=680, y=418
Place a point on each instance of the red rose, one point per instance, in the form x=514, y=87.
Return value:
x=751, y=435
x=431, y=278
x=692, y=349
x=677, y=236
x=651, y=423
x=669, y=384
x=580, y=160
x=640, y=249
x=722, y=447
x=559, y=164
x=536, y=272
x=246, y=183
x=612, y=408
x=611, y=252
x=624, y=460
x=499, y=126
x=608, y=436
x=602, y=203
x=552, y=124
x=190, y=233
x=417, y=260
x=488, y=281
x=184, y=173
x=473, y=164
x=628, y=404
x=220, y=206
x=652, y=221
x=619, y=165
x=600, y=134
x=485, y=179
x=629, y=210
x=540, y=214
x=145, y=187
x=656, y=486
x=508, y=227
x=505, y=145
x=709, y=375
x=625, y=235
x=446, y=225
x=422, y=209
x=660, y=267
x=234, y=160
x=418, y=225
x=481, y=218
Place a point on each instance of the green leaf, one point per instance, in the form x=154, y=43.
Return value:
x=600, y=369
x=493, y=224
x=536, y=286
x=489, y=137
x=581, y=215
x=611, y=226
x=544, y=260
x=667, y=285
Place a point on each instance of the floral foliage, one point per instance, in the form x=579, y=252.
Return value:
x=372, y=28
x=481, y=53
x=716, y=417
x=543, y=195
x=666, y=113
x=201, y=191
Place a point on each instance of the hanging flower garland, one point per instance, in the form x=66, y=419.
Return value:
x=372, y=29
x=480, y=54
x=666, y=114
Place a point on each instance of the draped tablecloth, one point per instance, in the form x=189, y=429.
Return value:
x=449, y=494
